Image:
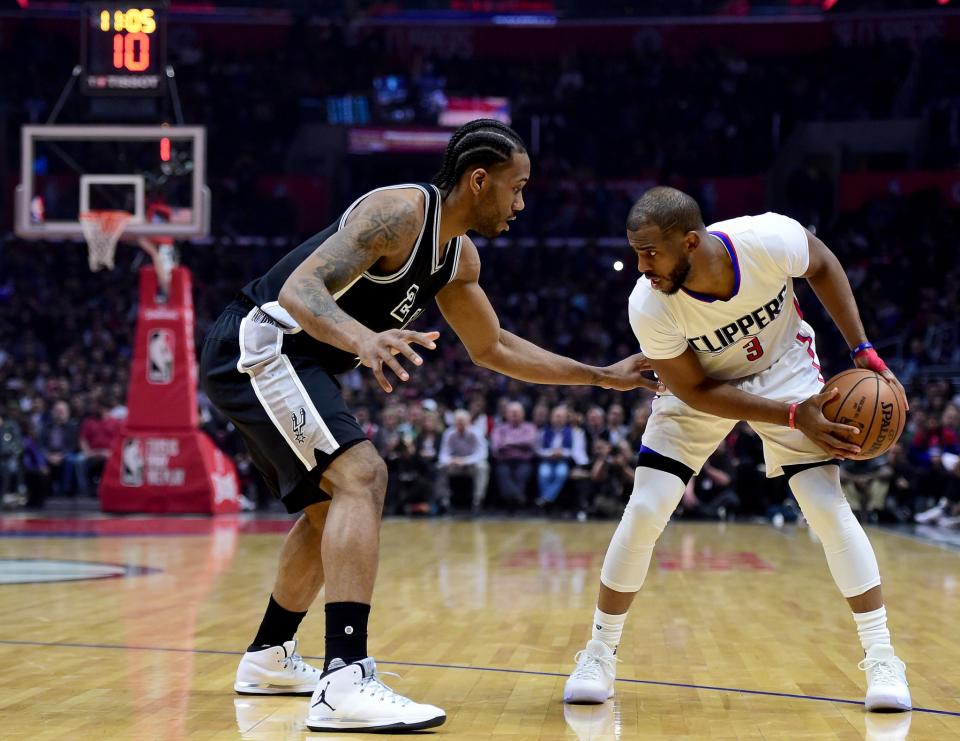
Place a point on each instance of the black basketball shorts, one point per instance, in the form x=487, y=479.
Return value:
x=289, y=410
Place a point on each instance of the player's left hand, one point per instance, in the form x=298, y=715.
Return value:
x=628, y=374
x=869, y=359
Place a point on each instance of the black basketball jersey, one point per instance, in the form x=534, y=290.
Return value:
x=377, y=301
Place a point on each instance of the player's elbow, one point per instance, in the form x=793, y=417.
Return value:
x=487, y=356
x=289, y=299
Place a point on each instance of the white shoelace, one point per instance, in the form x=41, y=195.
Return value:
x=884, y=671
x=375, y=688
x=295, y=661
x=591, y=667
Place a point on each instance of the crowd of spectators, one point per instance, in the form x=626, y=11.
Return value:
x=457, y=437
x=598, y=117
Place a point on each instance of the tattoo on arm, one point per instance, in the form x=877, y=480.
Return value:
x=372, y=232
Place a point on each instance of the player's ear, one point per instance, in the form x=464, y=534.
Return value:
x=477, y=180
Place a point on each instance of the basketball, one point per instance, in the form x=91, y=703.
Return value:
x=868, y=401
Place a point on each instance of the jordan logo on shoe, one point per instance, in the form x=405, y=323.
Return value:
x=323, y=699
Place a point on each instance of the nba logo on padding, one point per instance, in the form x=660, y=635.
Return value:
x=131, y=462
x=160, y=356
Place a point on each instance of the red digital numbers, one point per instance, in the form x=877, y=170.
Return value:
x=131, y=51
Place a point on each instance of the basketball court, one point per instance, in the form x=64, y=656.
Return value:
x=132, y=628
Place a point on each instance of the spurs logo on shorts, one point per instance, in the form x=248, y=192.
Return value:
x=299, y=420
x=401, y=311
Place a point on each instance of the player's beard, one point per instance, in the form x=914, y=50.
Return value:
x=488, y=217
x=678, y=276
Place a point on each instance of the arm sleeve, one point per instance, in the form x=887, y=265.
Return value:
x=785, y=241
x=658, y=339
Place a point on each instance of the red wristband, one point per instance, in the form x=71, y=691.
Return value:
x=792, y=420
x=873, y=361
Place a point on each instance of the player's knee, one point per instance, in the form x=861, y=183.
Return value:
x=370, y=477
x=821, y=500
x=647, y=514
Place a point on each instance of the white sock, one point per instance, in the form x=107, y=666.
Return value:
x=872, y=628
x=608, y=628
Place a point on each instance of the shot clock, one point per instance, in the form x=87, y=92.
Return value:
x=123, y=48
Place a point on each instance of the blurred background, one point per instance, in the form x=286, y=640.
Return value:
x=842, y=114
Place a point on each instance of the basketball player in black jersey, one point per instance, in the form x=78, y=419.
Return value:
x=341, y=299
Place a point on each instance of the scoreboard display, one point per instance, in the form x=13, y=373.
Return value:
x=123, y=48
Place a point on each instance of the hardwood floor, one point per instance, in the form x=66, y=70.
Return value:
x=739, y=632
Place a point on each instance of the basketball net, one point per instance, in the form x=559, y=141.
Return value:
x=102, y=230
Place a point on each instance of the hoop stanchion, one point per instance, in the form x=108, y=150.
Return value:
x=102, y=230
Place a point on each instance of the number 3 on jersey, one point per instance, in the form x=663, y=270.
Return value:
x=754, y=349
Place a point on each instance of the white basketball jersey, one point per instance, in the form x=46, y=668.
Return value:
x=753, y=328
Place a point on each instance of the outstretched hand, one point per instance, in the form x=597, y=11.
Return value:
x=628, y=374
x=378, y=350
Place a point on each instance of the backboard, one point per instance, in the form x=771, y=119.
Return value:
x=68, y=170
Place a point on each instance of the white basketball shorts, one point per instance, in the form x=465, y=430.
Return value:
x=677, y=430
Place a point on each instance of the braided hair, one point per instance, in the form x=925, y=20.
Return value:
x=480, y=143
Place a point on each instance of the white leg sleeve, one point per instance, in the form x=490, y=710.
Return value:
x=849, y=554
x=655, y=497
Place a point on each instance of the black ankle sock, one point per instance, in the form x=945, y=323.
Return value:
x=346, y=632
x=279, y=625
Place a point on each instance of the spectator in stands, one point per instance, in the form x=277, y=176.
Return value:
x=638, y=424
x=461, y=453
x=513, y=445
x=595, y=426
x=866, y=485
x=368, y=426
x=12, y=472
x=482, y=424
x=712, y=493
x=617, y=428
x=939, y=482
x=556, y=455
x=97, y=434
x=611, y=478
x=901, y=494
x=60, y=444
x=428, y=451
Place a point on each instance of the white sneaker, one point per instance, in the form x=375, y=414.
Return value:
x=278, y=670
x=886, y=680
x=592, y=680
x=351, y=697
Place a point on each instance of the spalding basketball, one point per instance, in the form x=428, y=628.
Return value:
x=868, y=401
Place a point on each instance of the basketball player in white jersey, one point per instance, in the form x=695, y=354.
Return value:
x=716, y=316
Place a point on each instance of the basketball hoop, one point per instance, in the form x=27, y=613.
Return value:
x=102, y=230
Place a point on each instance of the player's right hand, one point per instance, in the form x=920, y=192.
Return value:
x=378, y=350
x=831, y=436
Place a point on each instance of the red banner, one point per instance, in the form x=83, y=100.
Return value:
x=860, y=188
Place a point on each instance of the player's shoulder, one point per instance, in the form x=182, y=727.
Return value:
x=644, y=300
x=758, y=226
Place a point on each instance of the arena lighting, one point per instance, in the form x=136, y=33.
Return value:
x=943, y=2
x=165, y=149
x=618, y=265
x=827, y=4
